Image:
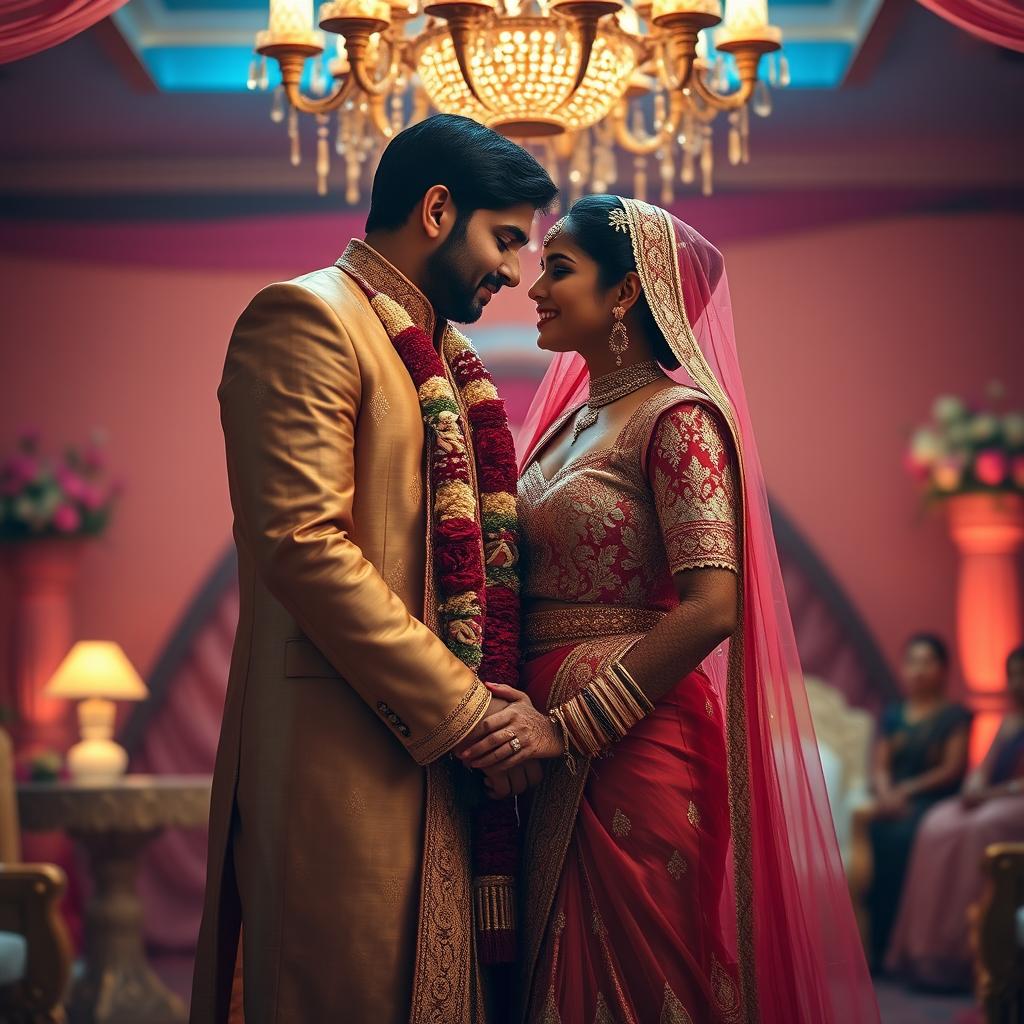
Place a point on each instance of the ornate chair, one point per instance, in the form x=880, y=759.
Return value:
x=35, y=951
x=997, y=935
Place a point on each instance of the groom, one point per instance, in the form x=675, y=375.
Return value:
x=338, y=839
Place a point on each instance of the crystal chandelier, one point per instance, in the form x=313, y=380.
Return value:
x=581, y=83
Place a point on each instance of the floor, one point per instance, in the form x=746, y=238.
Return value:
x=898, y=1005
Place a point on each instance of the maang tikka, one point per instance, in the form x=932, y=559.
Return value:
x=619, y=341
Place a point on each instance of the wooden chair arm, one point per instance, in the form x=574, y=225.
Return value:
x=29, y=894
x=998, y=960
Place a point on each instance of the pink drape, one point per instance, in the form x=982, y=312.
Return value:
x=996, y=21
x=31, y=26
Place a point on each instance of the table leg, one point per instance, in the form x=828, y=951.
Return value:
x=119, y=986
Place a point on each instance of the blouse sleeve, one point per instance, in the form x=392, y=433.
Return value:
x=691, y=470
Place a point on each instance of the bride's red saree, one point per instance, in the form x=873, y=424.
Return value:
x=693, y=875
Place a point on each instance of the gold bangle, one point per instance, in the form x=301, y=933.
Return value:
x=623, y=694
x=558, y=718
x=615, y=696
x=632, y=686
x=601, y=689
x=585, y=734
x=633, y=710
x=605, y=727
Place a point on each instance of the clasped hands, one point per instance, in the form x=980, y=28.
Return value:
x=510, y=768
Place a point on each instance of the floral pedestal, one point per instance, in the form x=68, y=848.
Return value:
x=40, y=630
x=42, y=573
x=988, y=530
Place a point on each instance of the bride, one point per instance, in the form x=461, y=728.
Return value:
x=680, y=860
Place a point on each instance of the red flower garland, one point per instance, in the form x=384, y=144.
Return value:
x=475, y=554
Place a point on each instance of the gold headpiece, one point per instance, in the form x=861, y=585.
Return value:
x=618, y=220
x=554, y=231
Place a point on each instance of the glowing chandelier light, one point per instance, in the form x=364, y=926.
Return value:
x=578, y=82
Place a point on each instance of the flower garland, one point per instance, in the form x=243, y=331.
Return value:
x=475, y=559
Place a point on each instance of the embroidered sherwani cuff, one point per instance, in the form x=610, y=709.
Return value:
x=454, y=727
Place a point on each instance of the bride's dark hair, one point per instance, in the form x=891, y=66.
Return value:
x=612, y=251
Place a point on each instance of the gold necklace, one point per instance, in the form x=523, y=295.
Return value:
x=613, y=386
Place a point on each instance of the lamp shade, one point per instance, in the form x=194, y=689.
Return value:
x=97, y=668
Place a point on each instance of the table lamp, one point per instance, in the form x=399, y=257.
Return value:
x=96, y=672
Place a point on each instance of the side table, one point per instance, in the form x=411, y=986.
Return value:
x=113, y=821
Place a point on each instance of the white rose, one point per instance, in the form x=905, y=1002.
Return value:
x=948, y=408
x=925, y=447
x=984, y=427
x=1013, y=429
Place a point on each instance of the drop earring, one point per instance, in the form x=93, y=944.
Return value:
x=619, y=341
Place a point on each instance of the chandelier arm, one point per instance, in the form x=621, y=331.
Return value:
x=699, y=112
x=719, y=102
x=291, y=65
x=357, y=50
x=674, y=75
x=588, y=36
x=459, y=26
x=647, y=147
x=747, y=61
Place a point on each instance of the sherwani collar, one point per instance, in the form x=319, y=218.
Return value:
x=363, y=262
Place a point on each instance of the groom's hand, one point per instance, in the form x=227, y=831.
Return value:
x=516, y=780
x=496, y=705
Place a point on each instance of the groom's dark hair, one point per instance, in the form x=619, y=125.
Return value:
x=482, y=169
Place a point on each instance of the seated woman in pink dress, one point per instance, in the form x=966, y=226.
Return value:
x=930, y=943
x=680, y=862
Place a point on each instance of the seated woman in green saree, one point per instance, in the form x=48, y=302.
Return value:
x=920, y=758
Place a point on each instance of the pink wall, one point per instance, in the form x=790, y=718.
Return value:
x=847, y=332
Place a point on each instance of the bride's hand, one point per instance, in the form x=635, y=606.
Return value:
x=492, y=739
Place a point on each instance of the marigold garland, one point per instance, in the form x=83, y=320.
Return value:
x=476, y=551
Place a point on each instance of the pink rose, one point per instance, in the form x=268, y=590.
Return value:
x=71, y=483
x=66, y=519
x=990, y=467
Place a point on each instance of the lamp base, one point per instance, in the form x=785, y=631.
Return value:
x=97, y=761
x=97, y=758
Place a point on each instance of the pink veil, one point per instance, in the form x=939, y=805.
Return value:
x=788, y=908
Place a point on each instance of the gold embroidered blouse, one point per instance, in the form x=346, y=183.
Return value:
x=612, y=526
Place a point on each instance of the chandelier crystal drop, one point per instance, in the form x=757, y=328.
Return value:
x=589, y=86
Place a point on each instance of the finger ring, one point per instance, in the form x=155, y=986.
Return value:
x=515, y=744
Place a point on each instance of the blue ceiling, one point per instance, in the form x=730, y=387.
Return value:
x=206, y=45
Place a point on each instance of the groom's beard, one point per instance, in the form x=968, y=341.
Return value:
x=450, y=285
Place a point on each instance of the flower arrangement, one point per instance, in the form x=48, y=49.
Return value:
x=43, y=495
x=968, y=449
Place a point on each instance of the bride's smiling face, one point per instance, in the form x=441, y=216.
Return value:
x=574, y=313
